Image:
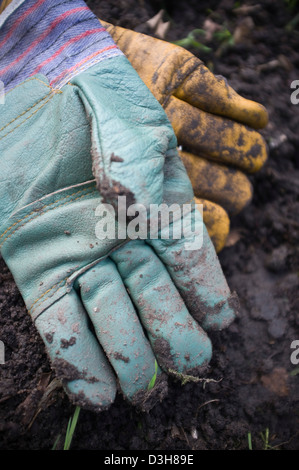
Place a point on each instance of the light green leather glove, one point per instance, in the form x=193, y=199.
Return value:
x=108, y=308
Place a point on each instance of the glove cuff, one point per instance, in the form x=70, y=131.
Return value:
x=55, y=39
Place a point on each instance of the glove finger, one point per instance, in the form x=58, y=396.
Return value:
x=218, y=138
x=216, y=221
x=194, y=267
x=167, y=69
x=120, y=333
x=226, y=186
x=178, y=342
x=76, y=355
x=212, y=93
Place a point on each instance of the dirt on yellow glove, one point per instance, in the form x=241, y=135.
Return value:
x=217, y=222
x=216, y=126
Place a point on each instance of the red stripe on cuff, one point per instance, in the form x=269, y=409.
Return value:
x=77, y=38
x=25, y=14
x=68, y=71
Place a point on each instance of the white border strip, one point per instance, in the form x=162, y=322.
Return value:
x=9, y=10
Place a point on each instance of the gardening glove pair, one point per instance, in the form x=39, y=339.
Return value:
x=216, y=127
x=84, y=144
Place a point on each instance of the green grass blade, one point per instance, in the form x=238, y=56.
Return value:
x=295, y=371
x=71, y=429
x=56, y=442
x=249, y=441
x=154, y=378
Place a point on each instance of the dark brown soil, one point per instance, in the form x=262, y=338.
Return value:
x=255, y=385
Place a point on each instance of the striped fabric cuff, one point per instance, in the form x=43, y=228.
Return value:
x=56, y=38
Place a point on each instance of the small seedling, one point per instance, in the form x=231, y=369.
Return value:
x=291, y=4
x=70, y=430
x=191, y=41
x=295, y=371
x=224, y=37
x=249, y=441
x=293, y=23
x=154, y=378
x=265, y=439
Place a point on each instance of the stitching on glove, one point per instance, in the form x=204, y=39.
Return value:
x=67, y=278
x=78, y=68
x=24, y=112
x=62, y=282
x=28, y=117
x=50, y=207
x=50, y=95
x=28, y=80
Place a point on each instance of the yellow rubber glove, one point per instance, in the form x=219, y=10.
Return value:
x=4, y=4
x=204, y=112
x=215, y=124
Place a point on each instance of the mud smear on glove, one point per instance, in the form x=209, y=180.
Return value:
x=216, y=183
x=201, y=311
x=115, y=158
x=164, y=356
x=197, y=305
x=66, y=373
x=110, y=189
x=220, y=140
x=145, y=400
